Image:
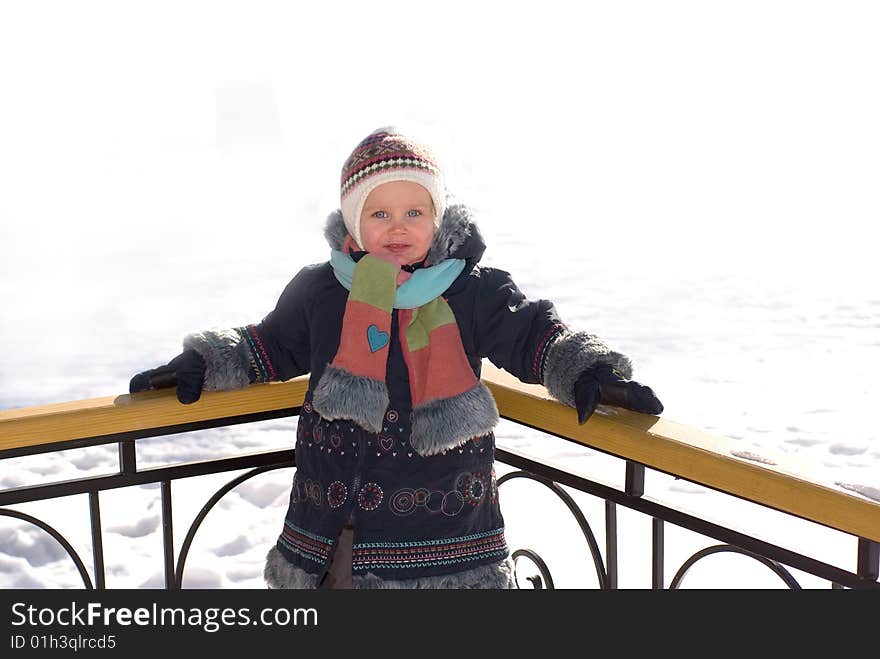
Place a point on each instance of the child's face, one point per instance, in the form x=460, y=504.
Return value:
x=397, y=222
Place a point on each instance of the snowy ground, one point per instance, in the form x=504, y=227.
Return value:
x=694, y=183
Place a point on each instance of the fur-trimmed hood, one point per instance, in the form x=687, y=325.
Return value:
x=457, y=236
x=399, y=539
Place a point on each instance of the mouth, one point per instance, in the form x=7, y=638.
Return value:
x=396, y=247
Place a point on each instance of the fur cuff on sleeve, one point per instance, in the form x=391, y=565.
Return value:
x=570, y=355
x=225, y=355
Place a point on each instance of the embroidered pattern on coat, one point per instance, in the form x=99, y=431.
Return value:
x=540, y=358
x=259, y=361
x=370, y=496
x=428, y=553
x=308, y=545
x=306, y=490
x=337, y=493
x=470, y=488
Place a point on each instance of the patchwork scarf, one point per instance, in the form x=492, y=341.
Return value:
x=449, y=404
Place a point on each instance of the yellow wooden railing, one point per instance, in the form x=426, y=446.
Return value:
x=775, y=481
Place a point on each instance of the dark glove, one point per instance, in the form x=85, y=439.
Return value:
x=186, y=372
x=602, y=384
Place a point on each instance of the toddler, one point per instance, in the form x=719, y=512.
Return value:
x=394, y=484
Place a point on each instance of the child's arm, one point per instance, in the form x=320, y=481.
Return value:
x=276, y=348
x=528, y=339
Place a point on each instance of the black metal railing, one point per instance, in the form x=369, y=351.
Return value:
x=519, y=465
x=640, y=443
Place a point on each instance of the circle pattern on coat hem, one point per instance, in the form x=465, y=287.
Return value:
x=370, y=496
x=403, y=502
x=337, y=493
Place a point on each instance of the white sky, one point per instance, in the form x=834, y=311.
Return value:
x=704, y=129
x=698, y=133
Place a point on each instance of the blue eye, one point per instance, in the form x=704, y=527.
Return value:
x=413, y=213
x=380, y=215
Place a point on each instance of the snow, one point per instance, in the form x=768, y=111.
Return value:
x=692, y=182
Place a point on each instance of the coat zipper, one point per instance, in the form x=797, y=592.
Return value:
x=356, y=482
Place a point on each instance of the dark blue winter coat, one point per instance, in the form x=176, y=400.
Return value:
x=419, y=521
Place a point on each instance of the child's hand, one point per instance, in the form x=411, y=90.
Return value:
x=186, y=372
x=602, y=384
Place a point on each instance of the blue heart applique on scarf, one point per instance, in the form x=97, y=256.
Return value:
x=376, y=338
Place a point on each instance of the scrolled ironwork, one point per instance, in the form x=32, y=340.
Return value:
x=578, y=514
x=77, y=561
x=772, y=565
x=771, y=555
x=537, y=581
x=203, y=513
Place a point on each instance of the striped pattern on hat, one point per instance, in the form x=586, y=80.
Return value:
x=387, y=155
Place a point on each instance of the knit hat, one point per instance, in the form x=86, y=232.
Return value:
x=387, y=155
